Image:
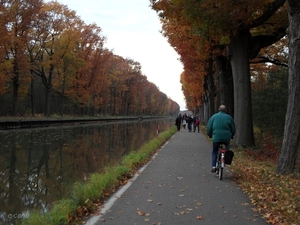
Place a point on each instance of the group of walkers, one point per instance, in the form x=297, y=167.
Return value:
x=188, y=122
x=220, y=127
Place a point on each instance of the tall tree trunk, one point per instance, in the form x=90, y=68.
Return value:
x=47, y=100
x=242, y=88
x=288, y=155
x=62, y=102
x=32, y=97
x=211, y=88
x=204, y=110
x=225, y=84
x=47, y=81
x=15, y=94
x=16, y=84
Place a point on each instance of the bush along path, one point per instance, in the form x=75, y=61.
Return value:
x=85, y=198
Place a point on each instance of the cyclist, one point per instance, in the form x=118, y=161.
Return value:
x=221, y=128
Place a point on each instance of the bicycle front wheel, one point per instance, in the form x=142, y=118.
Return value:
x=220, y=173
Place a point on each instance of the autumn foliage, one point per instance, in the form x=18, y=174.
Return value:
x=275, y=196
x=51, y=62
x=216, y=41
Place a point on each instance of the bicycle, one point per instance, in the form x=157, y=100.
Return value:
x=220, y=163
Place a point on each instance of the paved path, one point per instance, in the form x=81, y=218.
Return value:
x=177, y=187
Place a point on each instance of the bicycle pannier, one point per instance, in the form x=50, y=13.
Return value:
x=228, y=157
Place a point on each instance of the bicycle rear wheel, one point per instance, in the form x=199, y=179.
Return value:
x=220, y=173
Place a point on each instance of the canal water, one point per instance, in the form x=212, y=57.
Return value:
x=38, y=166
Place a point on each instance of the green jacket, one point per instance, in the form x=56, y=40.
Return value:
x=220, y=127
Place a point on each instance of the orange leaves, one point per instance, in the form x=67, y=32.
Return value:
x=275, y=196
x=199, y=30
x=141, y=213
x=48, y=42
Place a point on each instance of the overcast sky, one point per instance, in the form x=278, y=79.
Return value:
x=133, y=29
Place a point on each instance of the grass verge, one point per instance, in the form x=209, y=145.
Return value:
x=86, y=197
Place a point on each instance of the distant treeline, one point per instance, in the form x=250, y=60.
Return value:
x=54, y=63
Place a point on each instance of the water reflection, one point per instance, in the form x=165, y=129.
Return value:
x=39, y=165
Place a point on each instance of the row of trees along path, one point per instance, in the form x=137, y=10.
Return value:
x=221, y=43
x=54, y=63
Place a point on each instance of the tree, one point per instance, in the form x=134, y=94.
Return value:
x=290, y=144
x=269, y=98
x=54, y=20
x=90, y=82
x=47, y=49
x=245, y=27
x=17, y=17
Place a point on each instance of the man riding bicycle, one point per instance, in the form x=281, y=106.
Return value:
x=221, y=128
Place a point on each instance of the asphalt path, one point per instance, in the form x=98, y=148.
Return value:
x=177, y=187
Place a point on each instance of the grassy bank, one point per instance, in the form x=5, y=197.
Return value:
x=86, y=197
x=275, y=197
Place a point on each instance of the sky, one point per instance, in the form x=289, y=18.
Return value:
x=132, y=30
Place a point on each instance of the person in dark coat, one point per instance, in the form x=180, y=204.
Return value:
x=184, y=120
x=196, y=123
x=178, y=122
x=189, y=122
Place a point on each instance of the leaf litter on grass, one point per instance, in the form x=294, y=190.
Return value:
x=275, y=196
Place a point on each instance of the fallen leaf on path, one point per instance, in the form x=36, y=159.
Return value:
x=200, y=217
x=140, y=213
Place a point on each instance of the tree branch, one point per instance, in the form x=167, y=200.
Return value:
x=261, y=41
x=263, y=59
x=270, y=10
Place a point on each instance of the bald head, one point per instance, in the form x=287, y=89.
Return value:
x=222, y=108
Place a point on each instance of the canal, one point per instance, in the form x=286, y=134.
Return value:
x=38, y=166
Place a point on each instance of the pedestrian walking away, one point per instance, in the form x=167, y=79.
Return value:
x=196, y=123
x=184, y=119
x=178, y=122
x=189, y=122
